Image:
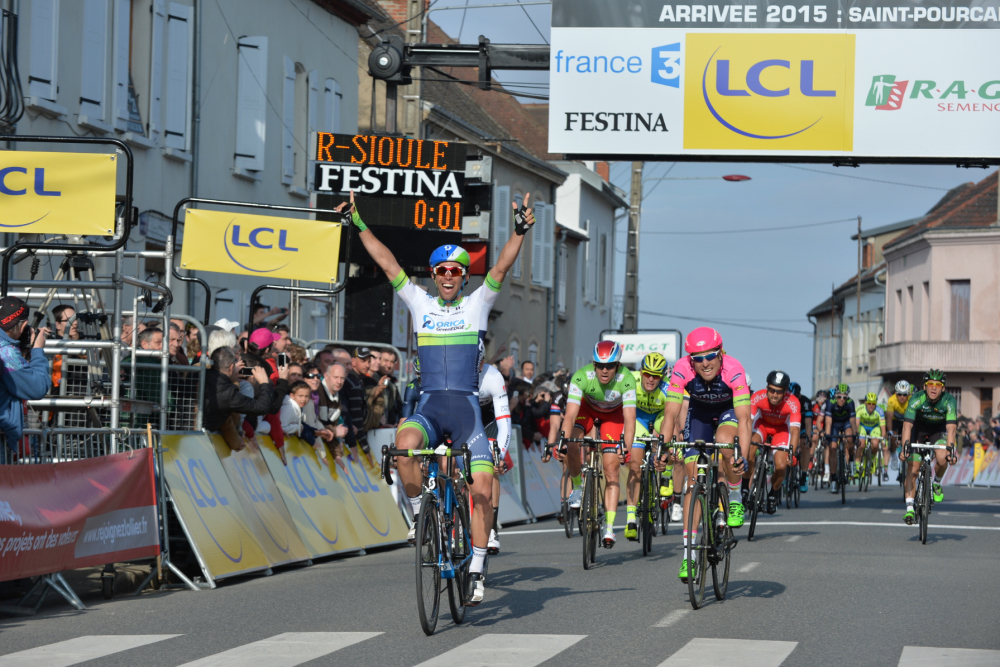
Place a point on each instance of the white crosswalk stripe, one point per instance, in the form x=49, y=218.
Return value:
x=75, y=651
x=927, y=656
x=738, y=652
x=284, y=650
x=505, y=651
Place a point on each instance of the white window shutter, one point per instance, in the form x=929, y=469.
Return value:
x=251, y=103
x=501, y=218
x=156, y=70
x=175, y=120
x=122, y=34
x=92, y=61
x=288, y=122
x=548, y=224
x=563, y=261
x=44, y=49
x=331, y=111
x=537, y=245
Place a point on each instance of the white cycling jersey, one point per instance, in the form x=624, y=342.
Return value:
x=492, y=387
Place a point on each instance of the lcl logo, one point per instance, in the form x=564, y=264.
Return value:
x=11, y=187
x=261, y=238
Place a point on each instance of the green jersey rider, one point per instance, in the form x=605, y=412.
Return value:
x=931, y=417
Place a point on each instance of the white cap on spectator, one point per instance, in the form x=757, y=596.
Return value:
x=228, y=325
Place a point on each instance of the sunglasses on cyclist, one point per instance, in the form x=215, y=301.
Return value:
x=605, y=367
x=709, y=356
x=933, y=383
x=311, y=376
x=841, y=396
x=775, y=390
x=448, y=271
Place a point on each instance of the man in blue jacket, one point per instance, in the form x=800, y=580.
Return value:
x=20, y=379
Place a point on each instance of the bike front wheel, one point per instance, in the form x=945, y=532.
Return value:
x=461, y=557
x=588, y=519
x=698, y=550
x=722, y=544
x=925, y=502
x=428, y=564
x=755, y=498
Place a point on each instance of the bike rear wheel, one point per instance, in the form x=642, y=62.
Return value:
x=428, y=564
x=697, y=550
x=756, y=494
x=722, y=538
x=864, y=478
x=842, y=473
x=461, y=552
x=588, y=518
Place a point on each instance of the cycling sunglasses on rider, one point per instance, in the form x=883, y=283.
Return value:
x=708, y=356
x=448, y=271
x=841, y=396
x=606, y=367
x=775, y=390
x=933, y=383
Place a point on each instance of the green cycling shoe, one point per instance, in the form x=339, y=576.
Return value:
x=735, y=515
x=688, y=569
x=910, y=516
x=937, y=493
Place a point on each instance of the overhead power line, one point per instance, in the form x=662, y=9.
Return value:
x=728, y=323
x=862, y=178
x=757, y=229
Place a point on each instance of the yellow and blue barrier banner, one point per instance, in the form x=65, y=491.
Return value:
x=265, y=510
x=58, y=193
x=209, y=508
x=260, y=245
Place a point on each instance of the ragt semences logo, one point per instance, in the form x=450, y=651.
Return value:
x=886, y=94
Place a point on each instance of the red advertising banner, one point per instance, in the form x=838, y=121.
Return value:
x=63, y=516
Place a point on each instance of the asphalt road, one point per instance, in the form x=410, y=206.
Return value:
x=824, y=584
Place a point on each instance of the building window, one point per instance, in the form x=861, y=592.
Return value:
x=516, y=270
x=961, y=291
x=561, y=292
x=957, y=393
x=44, y=49
x=515, y=351
x=533, y=353
x=602, y=271
x=251, y=103
x=177, y=113
x=501, y=222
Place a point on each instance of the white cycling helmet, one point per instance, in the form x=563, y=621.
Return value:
x=903, y=388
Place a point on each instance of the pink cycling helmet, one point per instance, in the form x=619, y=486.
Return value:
x=701, y=340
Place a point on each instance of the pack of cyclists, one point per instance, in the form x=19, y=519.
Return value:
x=706, y=396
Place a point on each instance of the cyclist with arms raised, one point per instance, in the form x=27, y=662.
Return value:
x=448, y=329
x=841, y=419
x=603, y=391
x=718, y=409
x=650, y=401
x=776, y=416
x=931, y=417
x=871, y=422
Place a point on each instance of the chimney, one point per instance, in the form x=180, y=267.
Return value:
x=604, y=170
x=397, y=9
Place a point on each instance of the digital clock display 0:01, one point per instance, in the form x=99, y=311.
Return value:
x=408, y=212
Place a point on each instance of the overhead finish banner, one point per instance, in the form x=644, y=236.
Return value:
x=74, y=514
x=752, y=81
x=261, y=245
x=57, y=193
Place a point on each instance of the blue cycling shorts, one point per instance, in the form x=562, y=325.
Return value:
x=701, y=424
x=457, y=416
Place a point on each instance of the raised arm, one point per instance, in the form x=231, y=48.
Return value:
x=513, y=246
x=382, y=255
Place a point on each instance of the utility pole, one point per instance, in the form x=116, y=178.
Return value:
x=857, y=293
x=630, y=317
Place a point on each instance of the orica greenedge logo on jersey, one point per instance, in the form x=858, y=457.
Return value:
x=444, y=327
x=888, y=93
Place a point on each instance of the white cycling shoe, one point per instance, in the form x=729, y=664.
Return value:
x=493, y=545
x=478, y=583
x=608, y=540
x=826, y=477
x=411, y=536
x=575, y=499
x=676, y=513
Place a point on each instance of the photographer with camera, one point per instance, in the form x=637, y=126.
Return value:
x=25, y=373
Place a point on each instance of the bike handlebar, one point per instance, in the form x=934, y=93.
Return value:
x=441, y=450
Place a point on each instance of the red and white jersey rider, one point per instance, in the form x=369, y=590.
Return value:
x=774, y=420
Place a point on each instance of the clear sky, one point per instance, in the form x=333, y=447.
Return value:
x=759, y=279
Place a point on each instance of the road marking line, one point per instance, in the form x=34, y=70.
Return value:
x=671, y=618
x=927, y=656
x=794, y=538
x=505, y=651
x=285, y=650
x=871, y=523
x=530, y=532
x=889, y=511
x=748, y=567
x=80, y=649
x=738, y=652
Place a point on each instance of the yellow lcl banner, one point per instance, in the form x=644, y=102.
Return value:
x=261, y=245
x=57, y=193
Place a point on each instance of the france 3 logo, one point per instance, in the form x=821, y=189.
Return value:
x=666, y=65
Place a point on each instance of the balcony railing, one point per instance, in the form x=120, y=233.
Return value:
x=973, y=356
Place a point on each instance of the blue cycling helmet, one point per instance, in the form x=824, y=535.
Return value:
x=795, y=389
x=450, y=253
x=607, y=352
